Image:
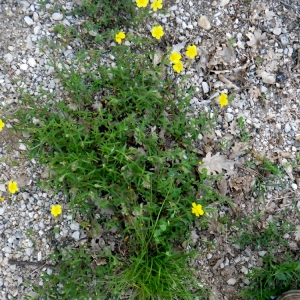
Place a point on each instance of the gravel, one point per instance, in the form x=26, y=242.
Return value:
x=261, y=68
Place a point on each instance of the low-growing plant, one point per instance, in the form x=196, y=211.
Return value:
x=244, y=134
x=274, y=278
x=269, y=238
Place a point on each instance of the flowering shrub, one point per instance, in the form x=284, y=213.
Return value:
x=120, y=36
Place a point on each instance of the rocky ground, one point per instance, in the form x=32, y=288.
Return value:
x=247, y=48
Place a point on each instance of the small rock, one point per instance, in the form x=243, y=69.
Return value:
x=2, y=210
x=209, y=256
x=57, y=16
x=36, y=29
x=29, y=42
x=287, y=127
x=294, y=186
x=74, y=226
x=244, y=270
x=284, y=39
x=24, y=4
x=31, y=62
x=231, y=281
x=76, y=235
x=280, y=76
x=205, y=87
x=224, y=2
x=24, y=67
x=6, y=249
x=277, y=31
x=204, y=23
x=262, y=253
x=228, y=117
x=8, y=58
x=28, y=21
x=35, y=17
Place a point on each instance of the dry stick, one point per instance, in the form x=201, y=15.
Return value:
x=29, y=263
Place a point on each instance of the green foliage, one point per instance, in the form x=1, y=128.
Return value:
x=269, y=238
x=274, y=278
x=244, y=135
x=122, y=139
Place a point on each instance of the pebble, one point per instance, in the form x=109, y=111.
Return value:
x=294, y=186
x=57, y=16
x=284, y=39
x=277, y=31
x=287, y=127
x=74, y=226
x=204, y=23
x=8, y=58
x=31, y=62
x=228, y=117
x=28, y=21
x=231, y=281
x=76, y=235
x=205, y=87
x=36, y=29
x=24, y=67
x=262, y=253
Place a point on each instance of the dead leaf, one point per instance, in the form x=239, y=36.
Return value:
x=266, y=77
x=222, y=186
x=256, y=38
x=216, y=164
x=157, y=57
x=238, y=149
x=23, y=180
x=269, y=14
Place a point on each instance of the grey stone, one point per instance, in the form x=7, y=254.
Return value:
x=57, y=16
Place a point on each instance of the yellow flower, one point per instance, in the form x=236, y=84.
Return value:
x=157, y=32
x=191, y=51
x=178, y=67
x=2, y=199
x=120, y=36
x=1, y=124
x=223, y=100
x=141, y=3
x=175, y=57
x=157, y=4
x=197, y=209
x=12, y=187
x=56, y=210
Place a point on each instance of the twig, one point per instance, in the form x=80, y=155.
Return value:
x=29, y=263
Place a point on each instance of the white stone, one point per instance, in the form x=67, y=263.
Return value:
x=262, y=253
x=31, y=61
x=204, y=23
x=35, y=17
x=2, y=210
x=224, y=2
x=29, y=251
x=76, y=235
x=231, y=281
x=287, y=127
x=24, y=67
x=205, y=87
x=28, y=21
x=8, y=58
x=57, y=16
x=36, y=29
x=228, y=117
x=277, y=31
x=294, y=186
x=6, y=249
x=74, y=226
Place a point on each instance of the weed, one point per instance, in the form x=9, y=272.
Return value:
x=274, y=278
x=269, y=238
x=244, y=135
x=231, y=42
x=123, y=140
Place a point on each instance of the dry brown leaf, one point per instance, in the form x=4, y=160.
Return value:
x=216, y=164
x=222, y=186
x=23, y=180
x=255, y=38
x=238, y=149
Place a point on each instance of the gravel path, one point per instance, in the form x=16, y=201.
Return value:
x=250, y=49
